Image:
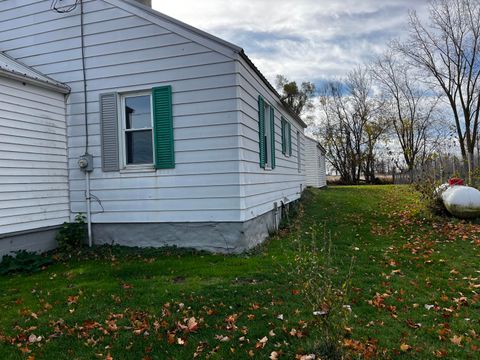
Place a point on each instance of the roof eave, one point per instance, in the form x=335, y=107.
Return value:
x=193, y=29
x=61, y=88
x=271, y=88
x=229, y=45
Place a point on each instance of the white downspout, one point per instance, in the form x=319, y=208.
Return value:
x=89, y=208
x=86, y=165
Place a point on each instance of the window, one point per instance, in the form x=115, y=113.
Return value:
x=286, y=138
x=268, y=138
x=299, y=159
x=266, y=132
x=137, y=129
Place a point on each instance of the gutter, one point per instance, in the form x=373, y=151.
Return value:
x=11, y=74
x=271, y=88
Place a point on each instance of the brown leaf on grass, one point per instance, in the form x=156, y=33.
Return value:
x=199, y=350
x=405, y=347
x=261, y=343
x=34, y=339
x=255, y=307
x=378, y=300
x=73, y=299
x=171, y=337
x=274, y=355
x=127, y=286
x=25, y=350
x=440, y=353
x=457, y=340
x=305, y=357
x=222, y=338
x=230, y=320
x=413, y=325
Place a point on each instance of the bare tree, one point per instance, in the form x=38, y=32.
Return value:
x=409, y=105
x=350, y=130
x=448, y=49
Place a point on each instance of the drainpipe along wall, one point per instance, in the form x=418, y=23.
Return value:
x=86, y=161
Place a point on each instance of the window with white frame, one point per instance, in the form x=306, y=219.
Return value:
x=266, y=132
x=286, y=138
x=299, y=159
x=268, y=138
x=137, y=129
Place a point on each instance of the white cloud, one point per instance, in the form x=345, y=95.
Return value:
x=302, y=39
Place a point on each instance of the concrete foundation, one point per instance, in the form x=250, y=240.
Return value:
x=37, y=240
x=218, y=237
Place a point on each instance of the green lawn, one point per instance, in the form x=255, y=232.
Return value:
x=415, y=292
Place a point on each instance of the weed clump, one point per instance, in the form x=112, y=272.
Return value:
x=313, y=272
x=72, y=235
x=23, y=262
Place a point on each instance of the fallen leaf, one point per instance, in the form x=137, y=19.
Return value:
x=261, y=343
x=192, y=324
x=457, y=340
x=274, y=355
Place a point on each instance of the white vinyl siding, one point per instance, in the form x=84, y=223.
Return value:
x=217, y=176
x=128, y=50
x=314, y=164
x=261, y=189
x=33, y=158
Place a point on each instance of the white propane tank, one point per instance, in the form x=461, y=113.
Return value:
x=462, y=201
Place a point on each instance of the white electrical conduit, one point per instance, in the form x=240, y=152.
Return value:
x=89, y=208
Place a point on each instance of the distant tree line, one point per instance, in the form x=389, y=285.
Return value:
x=391, y=108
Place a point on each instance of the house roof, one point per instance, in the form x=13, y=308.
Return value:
x=11, y=68
x=237, y=49
x=317, y=143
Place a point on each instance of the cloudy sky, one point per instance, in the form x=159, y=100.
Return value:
x=309, y=40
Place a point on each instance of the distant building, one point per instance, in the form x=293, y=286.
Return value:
x=315, y=172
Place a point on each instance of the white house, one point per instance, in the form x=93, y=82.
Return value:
x=190, y=145
x=315, y=171
x=33, y=157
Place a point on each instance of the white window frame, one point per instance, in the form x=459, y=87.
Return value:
x=286, y=137
x=268, y=136
x=299, y=153
x=123, y=130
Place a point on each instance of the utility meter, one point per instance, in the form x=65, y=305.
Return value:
x=86, y=162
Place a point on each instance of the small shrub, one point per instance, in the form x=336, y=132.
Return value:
x=23, y=261
x=322, y=290
x=72, y=235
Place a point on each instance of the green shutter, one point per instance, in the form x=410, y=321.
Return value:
x=272, y=132
x=289, y=130
x=284, y=138
x=261, y=130
x=163, y=127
